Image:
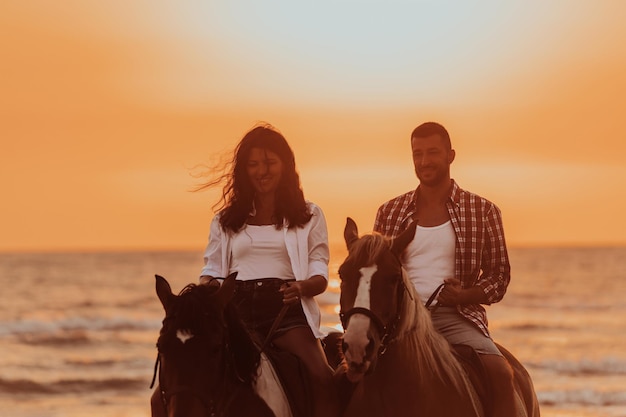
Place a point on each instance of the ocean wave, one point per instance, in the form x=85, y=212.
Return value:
x=62, y=387
x=91, y=363
x=585, y=397
x=70, y=338
x=576, y=397
x=75, y=325
x=535, y=326
x=584, y=367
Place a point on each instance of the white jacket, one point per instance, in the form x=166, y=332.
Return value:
x=308, y=251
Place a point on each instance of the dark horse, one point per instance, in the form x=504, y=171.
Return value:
x=399, y=364
x=208, y=361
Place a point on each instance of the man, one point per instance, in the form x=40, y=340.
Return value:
x=459, y=242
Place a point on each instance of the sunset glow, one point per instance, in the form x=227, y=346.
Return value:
x=107, y=109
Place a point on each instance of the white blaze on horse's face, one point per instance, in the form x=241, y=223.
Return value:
x=183, y=335
x=356, y=335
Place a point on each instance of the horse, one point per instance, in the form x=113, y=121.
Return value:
x=398, y=363
x=208, y=364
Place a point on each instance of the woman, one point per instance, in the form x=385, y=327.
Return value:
x=277, y=242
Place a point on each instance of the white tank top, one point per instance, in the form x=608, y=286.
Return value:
x=429, y=258
x=260, y=252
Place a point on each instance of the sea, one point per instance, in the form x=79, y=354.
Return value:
x=78, y=330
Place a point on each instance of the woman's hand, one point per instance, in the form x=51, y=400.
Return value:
x=209, y=280
x=293, y=291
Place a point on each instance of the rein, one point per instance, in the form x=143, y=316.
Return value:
x=432, y=298
x=275, y=324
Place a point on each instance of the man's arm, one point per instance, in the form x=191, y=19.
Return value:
x=495, y=266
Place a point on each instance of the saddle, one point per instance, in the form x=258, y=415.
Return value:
x=471, y=362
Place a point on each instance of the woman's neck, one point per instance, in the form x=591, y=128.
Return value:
x=263, y=210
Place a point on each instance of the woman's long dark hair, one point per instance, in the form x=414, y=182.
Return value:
x=238, y=193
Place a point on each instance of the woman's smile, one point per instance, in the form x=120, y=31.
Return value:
x=265, y=170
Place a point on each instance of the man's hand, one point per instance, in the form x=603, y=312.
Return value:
x=452, y=294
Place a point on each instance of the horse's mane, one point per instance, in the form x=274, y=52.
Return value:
x=367, y=249
x=432, y=352
x=190, y=310
x=194, y=311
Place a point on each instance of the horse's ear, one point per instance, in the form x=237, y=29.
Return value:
x=227, y=289
x=350, y=232
x=400, y=242
x=164, y=291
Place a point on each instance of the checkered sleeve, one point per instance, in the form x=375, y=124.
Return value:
x=392, y=216
x=378, y=222
x=495, y=266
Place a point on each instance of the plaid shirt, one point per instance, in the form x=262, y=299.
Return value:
x=481, y=257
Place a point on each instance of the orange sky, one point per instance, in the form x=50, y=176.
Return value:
x=106, y=106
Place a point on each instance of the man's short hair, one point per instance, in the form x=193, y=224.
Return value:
x=432, y=128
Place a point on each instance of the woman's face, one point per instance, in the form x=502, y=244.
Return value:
x=264, y=170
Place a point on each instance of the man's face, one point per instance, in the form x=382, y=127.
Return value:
x=431, y=159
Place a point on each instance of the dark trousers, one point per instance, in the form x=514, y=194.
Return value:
x=259, y=302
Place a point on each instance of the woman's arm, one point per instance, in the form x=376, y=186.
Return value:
x=319, y=252
x=294, y=290
x=213, y=252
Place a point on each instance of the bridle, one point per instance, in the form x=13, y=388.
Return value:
x=230, y=378
x=387, y=330
x=212, y=407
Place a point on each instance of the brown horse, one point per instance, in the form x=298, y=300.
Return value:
x=398, y=362
x=208, y=361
